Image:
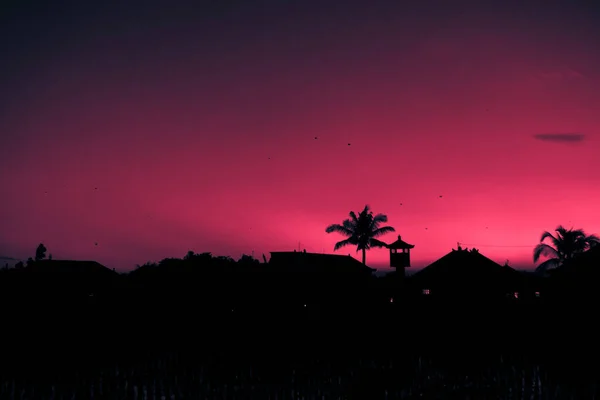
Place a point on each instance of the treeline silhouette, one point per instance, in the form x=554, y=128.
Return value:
x=80, y=316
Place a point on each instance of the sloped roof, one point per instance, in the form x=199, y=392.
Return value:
x=70, y=266
x=467, y=266
x=400, y=244
x=316, y=262
x=77, y=274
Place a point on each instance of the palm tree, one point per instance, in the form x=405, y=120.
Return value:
x=361, y=231
x=564, y=246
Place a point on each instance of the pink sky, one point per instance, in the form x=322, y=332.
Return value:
x=197, y=128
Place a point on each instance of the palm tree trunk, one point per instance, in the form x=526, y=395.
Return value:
x=364, y=257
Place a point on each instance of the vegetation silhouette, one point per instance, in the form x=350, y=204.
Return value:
x=562, y=248
x=304, y=312
x=361, y=231
x=40, y=252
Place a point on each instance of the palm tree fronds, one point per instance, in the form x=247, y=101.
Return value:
x=380, y=218
x=339, y=229
x=361, y=230
x=543, y=249
x=343, y=243
x=548, y=264
x=547, y=234
x=351, y=226
x=593, y=240
x=565, y=246
x=377, y=220
x=377, y=243
x=382, y=231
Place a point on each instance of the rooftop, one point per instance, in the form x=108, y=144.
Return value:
x=467, y=266
x=318, y=261
x=400, y=244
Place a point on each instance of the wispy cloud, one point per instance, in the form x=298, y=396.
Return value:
x=565, y=137
x=564, y=74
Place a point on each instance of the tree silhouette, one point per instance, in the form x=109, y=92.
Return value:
x=202, y=259
x=40, y=252
x=564, y=246
x=148, y=264
x=248, y=260
x=361, y=231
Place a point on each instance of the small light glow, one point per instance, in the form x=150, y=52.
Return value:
x=537, y=294
x=516, y=294
x=391, y=300
x=426, y=291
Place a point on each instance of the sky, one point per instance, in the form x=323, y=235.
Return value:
x=131, y=133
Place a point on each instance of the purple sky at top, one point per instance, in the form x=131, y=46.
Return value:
x=152, y=129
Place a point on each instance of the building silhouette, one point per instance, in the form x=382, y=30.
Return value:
x=400, y=255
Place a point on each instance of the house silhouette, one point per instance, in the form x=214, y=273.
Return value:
x=62, y=277
x=320, y=263
x=328, y=278
x=467, y=274
x=400, y=259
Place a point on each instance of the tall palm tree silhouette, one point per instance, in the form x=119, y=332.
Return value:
x=361, y=231
x=564, y=246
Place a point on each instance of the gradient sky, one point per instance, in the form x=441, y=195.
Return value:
x=152, y=129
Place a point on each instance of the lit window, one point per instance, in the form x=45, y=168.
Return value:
x=537, y=294
x=426, y=291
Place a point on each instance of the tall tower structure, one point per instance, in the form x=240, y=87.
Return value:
x=400, y=255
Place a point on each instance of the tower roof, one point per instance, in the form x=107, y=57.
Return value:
x=400, y=244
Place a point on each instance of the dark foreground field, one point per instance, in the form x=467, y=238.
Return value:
x=60, y=350
x=345, y=377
